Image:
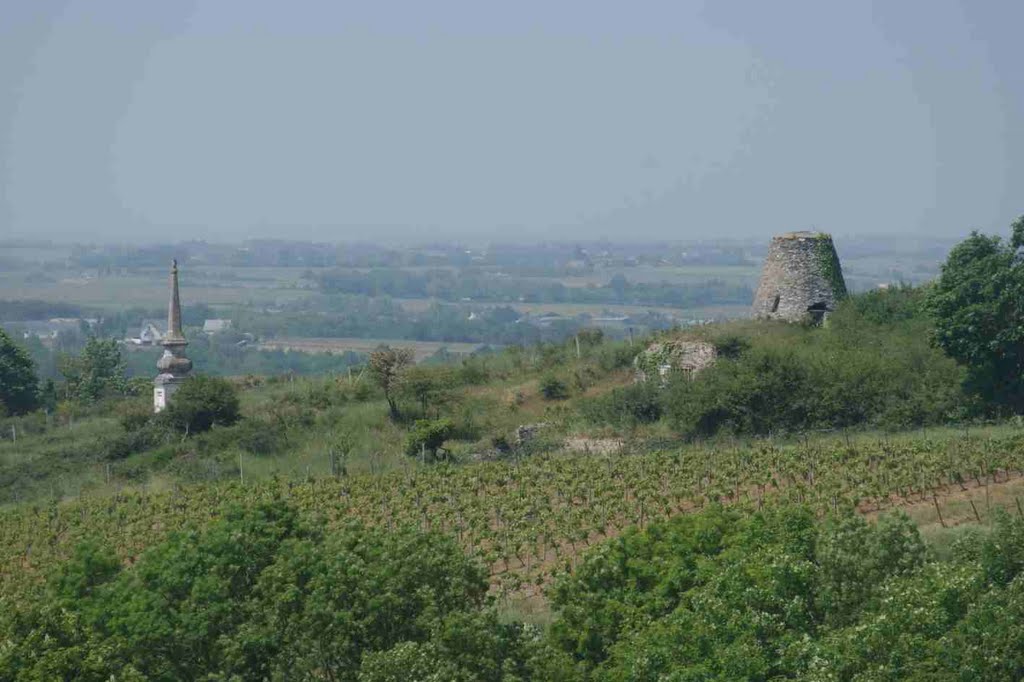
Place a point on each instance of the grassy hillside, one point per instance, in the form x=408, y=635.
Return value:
x=709, y=524
x=846, y=416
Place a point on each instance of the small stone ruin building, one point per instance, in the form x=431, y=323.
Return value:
x=662, y=358
x=802, y=280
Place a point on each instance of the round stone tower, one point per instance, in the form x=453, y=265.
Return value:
x=802, y=279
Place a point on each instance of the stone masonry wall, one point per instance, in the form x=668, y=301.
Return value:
x=802, y=279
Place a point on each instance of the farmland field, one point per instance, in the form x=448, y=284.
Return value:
x=421, y=349
x=119, y=292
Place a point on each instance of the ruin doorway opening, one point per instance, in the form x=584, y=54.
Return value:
x=817, y=311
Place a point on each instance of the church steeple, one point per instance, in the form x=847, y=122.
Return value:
x=174, y=333
x=173, y=364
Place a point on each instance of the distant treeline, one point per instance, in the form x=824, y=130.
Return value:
x=25, y=310
x=371, y=317
x=476, y=285
x=552, y=257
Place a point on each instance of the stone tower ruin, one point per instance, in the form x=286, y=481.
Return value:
x=802, y=279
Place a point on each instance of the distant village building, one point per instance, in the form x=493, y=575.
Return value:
x=216, y=326
x=151, y=334
x=547, y=319
x=48, y=330
x=802, y=278
x=174, y=366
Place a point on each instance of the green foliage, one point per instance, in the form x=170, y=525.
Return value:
x=978, y=308
x=427, y=436
x=18, y=383
x=135, y=415
x=200, y=403
x=853, y=558
x=828, y=259
x=777, y=595
x=640, y=403
x=262, y=594
x=259, y=437
x=871, y=366
x=429, y=387
x=731, y=346
x=1001, y=552
x=97, y=372
x=764, y=392
x=553, y=388
x=387, y=367
x=891, y=306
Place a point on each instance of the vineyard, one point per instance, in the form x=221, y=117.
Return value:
x=528, y=519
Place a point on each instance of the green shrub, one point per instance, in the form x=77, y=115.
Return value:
x=200, y=403
x=427, y=437
x=121, y=445
x=872, y=366
x=640, y=403
x=135, y=415
x=553, y=388
x=257, y=437
x=764, y=391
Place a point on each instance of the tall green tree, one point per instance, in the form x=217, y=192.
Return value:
x=387, y=367
x=97, y=372
x=18, y=382
x=978, y=309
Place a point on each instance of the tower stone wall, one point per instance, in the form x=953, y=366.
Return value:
x=802, y=278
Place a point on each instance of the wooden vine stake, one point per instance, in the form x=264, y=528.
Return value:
x=975, y=508
x=935, y=501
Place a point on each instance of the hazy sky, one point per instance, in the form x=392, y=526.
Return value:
x=514, y=120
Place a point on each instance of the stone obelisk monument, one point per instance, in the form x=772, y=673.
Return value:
x=173, y=364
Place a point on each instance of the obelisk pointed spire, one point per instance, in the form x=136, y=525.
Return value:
x=174, y=333
x=173, y=364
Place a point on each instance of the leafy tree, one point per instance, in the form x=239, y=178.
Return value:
x=429, y=435
x=722, y=595
x=978, y=308
x=48, y=395
x=97, y=372
x=387, y=367
x=428, y=386
x=200, y=403
x=262, y=594
x=18, y=383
